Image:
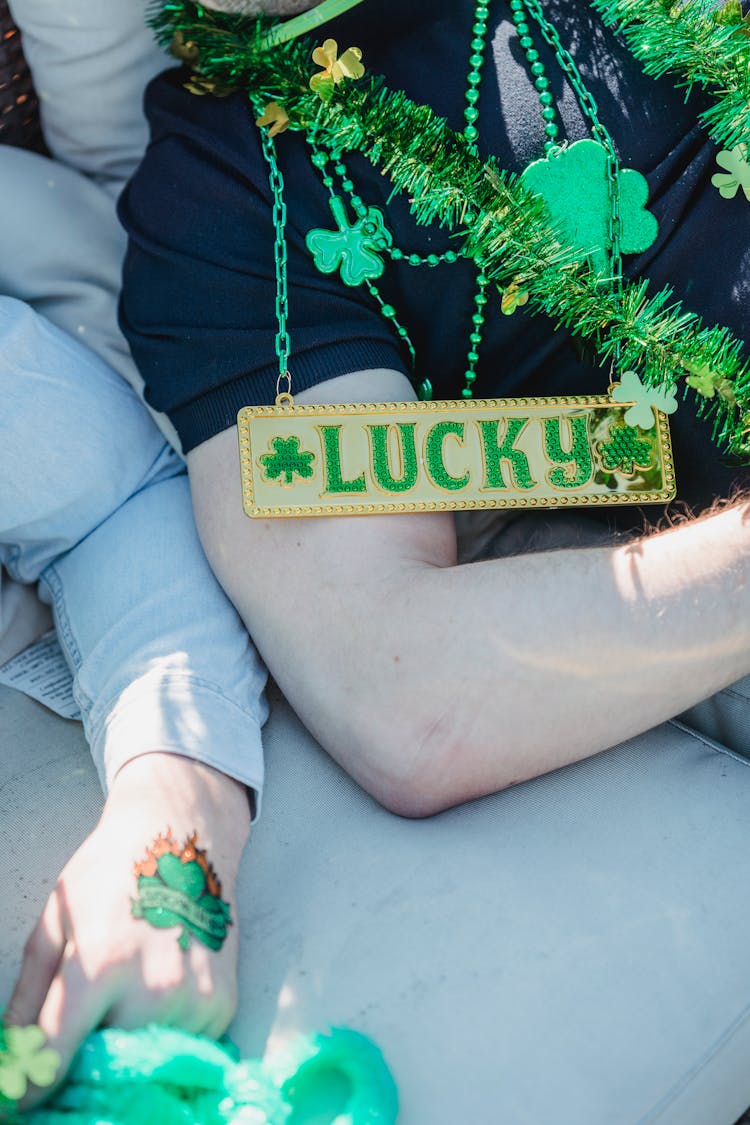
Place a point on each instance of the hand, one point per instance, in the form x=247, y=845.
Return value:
x=90, y=961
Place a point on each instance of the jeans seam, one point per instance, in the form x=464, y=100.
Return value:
x=9, y=562
x=255, y=781
x=51, y=579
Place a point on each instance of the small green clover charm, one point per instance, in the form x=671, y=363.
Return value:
x=178, y=887
x=24, y=1059
x=625, y=451
x=355, y=248
x=574, y=185
x=645, y=399
x=288, y=461
x=738, y=172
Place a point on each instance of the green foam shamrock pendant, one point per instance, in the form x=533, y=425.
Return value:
x=354, y=249
x=573, y=183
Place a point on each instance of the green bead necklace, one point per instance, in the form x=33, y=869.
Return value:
x=358, y=247
x=326, y=162
x=536, y=69
x=476, y=63
x=367, y=236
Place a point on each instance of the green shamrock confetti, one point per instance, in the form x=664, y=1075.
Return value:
x=513, y=298
x=24, y=1059
x=731, y=15
x=288, y=461
x=574, y=185
x=702, y=380
x=737, y=172
x=645, y=399
x=179, y=887
x=708, y=383
x=625, y=451
x=355, y=248
x=335, y=70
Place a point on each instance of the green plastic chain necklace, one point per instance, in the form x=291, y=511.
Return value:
x=357, y=248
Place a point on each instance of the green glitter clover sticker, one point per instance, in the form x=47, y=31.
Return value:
x=574, y=185
x=178, y=887
x=25, y=1059
x=287, y=460
x=354, y=249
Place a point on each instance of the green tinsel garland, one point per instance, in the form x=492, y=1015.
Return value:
x=697, y=41
x=506, y=227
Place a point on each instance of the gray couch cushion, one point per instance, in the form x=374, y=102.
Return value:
x=571, y=950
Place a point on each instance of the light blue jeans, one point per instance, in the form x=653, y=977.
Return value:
x=95, y=507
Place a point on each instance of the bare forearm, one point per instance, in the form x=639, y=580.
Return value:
x=562, y=654
x=432, y=682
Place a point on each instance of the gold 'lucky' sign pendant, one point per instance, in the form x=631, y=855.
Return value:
x=386, y=458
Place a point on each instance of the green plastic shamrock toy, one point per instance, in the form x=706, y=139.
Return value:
x=355, y=248
x=24, y=1059
x=574, y=185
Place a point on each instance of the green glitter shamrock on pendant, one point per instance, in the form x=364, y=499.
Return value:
x=574, y=185
x=355, y=248
x=287, y=460
x=625, y=451
x=24, y=1059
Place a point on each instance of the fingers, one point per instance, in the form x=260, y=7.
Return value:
x=221, y=1021
x=201, y=1002
x=41, y=958
x=73, y=1007
x=70, y=1010
x=70, y=984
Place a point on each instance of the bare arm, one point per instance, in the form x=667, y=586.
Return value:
x=433, y=683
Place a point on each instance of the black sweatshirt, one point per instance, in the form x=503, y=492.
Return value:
x=198, y=306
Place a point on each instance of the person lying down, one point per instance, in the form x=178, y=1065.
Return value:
x=433, y=683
